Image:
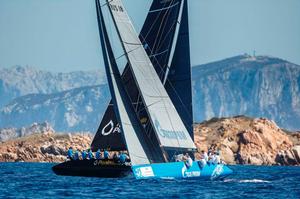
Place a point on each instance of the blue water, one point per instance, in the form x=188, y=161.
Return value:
x=34, y=180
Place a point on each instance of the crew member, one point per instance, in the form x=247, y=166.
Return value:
x=91, y=155
x=70, y=153
x=106, y=155
x=188, y=160
x=84, y=155
x=98, y=154
x=123, y=158
x=204, y=159
x=116, y=157
x=76, y=155
x=217, y=158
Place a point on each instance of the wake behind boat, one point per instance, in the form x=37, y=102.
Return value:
x=150, y=114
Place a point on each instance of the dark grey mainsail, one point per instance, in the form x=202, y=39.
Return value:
x=167, y=124
x=179, y=82
x=132, y=130
x=157, y=36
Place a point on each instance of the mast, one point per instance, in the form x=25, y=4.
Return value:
x=165, y=120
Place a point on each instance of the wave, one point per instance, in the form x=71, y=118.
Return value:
x=247, y=180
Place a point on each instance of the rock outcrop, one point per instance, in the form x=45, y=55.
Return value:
x=42, y=147
x=244, y=140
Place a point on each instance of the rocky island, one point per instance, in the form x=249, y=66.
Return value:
x=241, y=140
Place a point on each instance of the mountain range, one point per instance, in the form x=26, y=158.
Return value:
x=19, y=81
x=244, y=85
x=259, y=86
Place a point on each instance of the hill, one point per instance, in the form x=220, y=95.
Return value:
x=19, y=81
x=258, y=86
x=255, y=86
x=78, y=109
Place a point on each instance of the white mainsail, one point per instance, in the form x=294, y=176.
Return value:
x=167, y=123
x=131, y=128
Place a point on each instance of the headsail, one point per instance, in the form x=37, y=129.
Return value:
x=157, y=38
x=131, y=128
x=169, y=128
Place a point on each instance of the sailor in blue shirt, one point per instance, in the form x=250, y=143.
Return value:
x=76, y=155
x=106, y=155
x=70, y=153
x=98, y=154
x=123, y=158
x=91, y=155
x=84, y=155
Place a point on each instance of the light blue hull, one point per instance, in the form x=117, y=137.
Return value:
x=180, y=170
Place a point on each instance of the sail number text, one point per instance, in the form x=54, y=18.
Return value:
x=116, y=8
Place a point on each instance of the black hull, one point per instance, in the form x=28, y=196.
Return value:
x=92, y=168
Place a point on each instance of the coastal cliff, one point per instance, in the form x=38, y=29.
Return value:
x=240, y=139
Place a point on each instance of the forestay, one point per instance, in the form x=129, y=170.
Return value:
x=168, y=126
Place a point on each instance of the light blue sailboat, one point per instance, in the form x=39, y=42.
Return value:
x=162, y=131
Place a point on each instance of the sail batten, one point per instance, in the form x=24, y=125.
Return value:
x=163, y=115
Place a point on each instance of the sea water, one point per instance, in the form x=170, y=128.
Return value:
x=36, y=180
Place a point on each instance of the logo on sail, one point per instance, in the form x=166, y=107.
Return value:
x=109, y=128
x=168, y=133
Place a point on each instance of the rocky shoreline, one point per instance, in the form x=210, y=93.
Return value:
x=248, y=141
x=42, y=147
x=240, y=139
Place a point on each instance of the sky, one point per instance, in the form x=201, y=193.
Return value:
x=62, y=35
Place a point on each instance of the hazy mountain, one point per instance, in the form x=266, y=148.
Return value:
x=12, y=133
x=78, y=109
x=256, y=86
x=18, y=81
